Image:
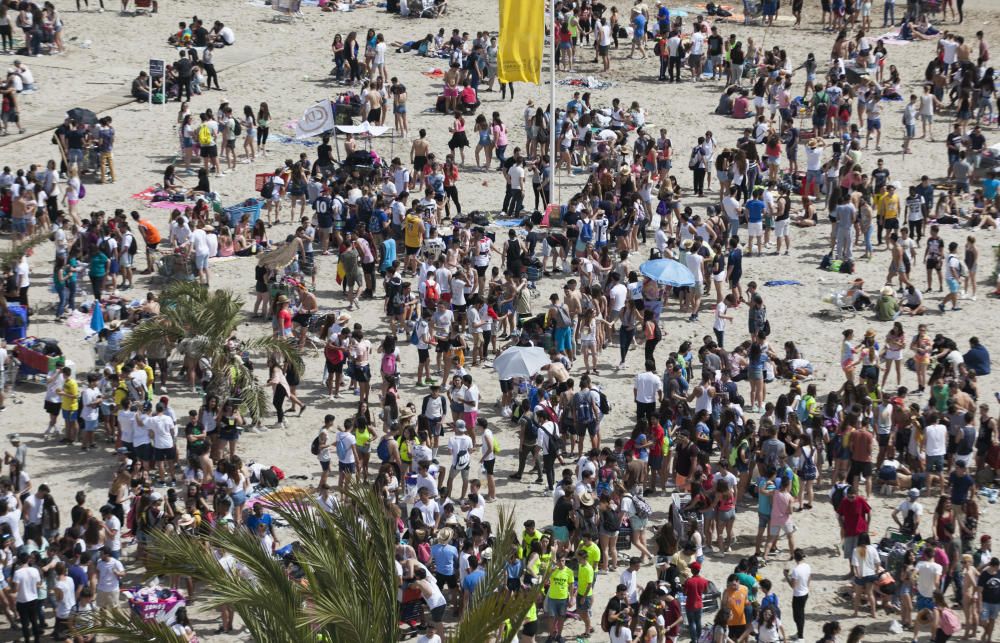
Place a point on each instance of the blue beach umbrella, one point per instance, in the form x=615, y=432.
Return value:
x=667, y=272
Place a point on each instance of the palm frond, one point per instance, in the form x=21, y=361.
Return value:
x=11, y=256
x=489, y=615
x=126, y=627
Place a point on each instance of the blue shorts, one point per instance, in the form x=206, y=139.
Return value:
x=763, y=520
x=564, y=339
x=927, y=603
x=556, y=607
x=347, y=467
x=935, y=464
x=70, y=416
x=90, y=425
x=953, y=286
x=990, y=611
x=874, y=124
x=201, y=262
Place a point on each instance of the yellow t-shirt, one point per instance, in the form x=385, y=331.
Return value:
x=559, y=582
x=412, y=227
x=70, y=395
x=585, y=580
x=593, y=553
x=889, y=206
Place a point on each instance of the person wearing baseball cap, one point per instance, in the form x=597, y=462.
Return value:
x=694, y=590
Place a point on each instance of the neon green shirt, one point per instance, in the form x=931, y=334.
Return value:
x=559, y=582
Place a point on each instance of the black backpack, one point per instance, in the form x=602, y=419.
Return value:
x=314, y=447
x=237, y=128
x=267, y=191
x=530, y=430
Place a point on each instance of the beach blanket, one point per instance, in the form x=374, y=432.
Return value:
x=892, y=38
x=291, y=141
x=782, y=282
x=434, y=73
x=169, y=205
x=145, y=195
x=589, y=82
x=508, y=223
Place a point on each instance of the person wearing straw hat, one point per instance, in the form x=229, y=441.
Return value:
x=445, y=557
x=283, y=317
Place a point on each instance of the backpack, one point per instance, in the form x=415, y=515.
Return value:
x=133, y=247
x=237, y=128
x=267, y=191
x=586, y=232
x=642, y=508
x=268, y=479
x=657, y=51
x=796, y=485
x=204, y=134
x=496, y=445
x=808, y=469
x=693, y=161
x=734, y=453
x=837, y=495
x=606, y=619
x=605, y=476
x=382, y=451
x=530, y=431
x=556, y=442
x=389, y=364
x=948, y=622
x=462, y=460
x=314, y=447
x=342, y=449
x=563, y=320
x=605, y=404
x=584, y=408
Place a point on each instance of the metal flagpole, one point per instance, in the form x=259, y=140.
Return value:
x=552, y=102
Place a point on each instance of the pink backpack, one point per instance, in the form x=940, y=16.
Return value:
x=948, y=622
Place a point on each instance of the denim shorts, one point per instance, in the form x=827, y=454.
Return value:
x=990, y=611
x=935, y=463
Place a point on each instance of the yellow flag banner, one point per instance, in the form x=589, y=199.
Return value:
x=522, y=34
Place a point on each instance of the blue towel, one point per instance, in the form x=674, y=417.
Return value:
x=782, y=282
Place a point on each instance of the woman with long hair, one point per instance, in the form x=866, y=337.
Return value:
x=249, y=134
x=484, y=142
x=263, y=127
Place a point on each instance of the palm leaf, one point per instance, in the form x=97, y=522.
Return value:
x=126, y=627
x=12, y=256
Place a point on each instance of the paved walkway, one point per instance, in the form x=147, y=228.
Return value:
x=102, y=103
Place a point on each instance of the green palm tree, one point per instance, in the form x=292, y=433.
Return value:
x=348, y=589
x=199, y=324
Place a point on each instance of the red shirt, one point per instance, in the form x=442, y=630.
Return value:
x=694, y=587
x=673, y=614
x=285, y=318
x=656, y=435
x=855, y=515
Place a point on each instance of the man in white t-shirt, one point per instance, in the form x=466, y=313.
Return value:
x=65, y=594
x=10, y=515
x=936, y=446
x=163, y=435
x=798, y=579
x=90, y=411
x=719, y=324
x=112, y=531
x=910, y=510
x=648, y=391
x=26, y=581
x=323, y=447
x=460, y=445
x=928, y=579
x=106, y=576
x=515, y=175
x=199, y=244
x=617, y=296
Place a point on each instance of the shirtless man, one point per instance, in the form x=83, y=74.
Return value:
x=374, y=100
x=418, y=157
x=451, y=78
x=574, y=302
x=308, y=306
x=896, y=267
